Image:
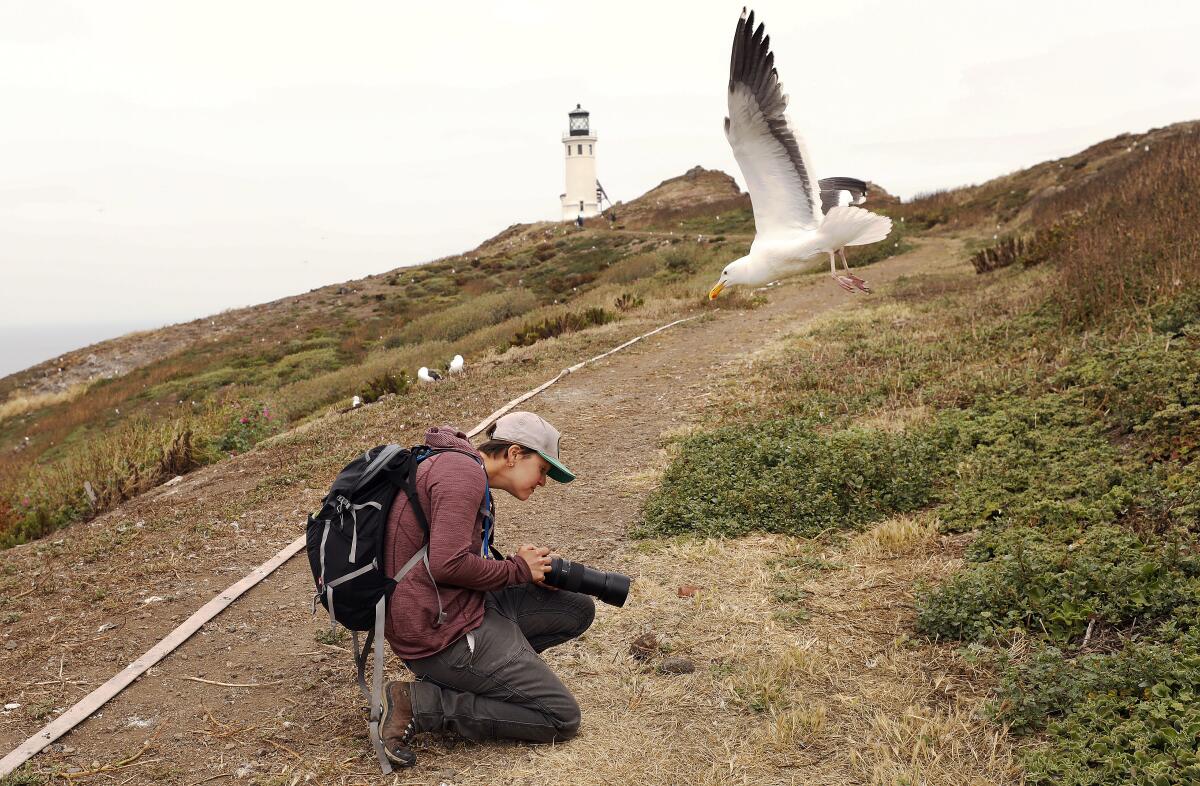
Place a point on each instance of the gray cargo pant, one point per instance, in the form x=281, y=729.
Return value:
x=491, y=682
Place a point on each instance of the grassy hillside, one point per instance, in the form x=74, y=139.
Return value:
x=129, y=414
x=1044, y=414
x=126, y=415
x=1019, y=441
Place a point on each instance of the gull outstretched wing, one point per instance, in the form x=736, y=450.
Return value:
x=776, y=167
x=841, y=191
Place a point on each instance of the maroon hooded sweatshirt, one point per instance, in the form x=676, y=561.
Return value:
x=450, y=487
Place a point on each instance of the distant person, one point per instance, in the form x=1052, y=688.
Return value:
x=478, y=670
x=579, y=220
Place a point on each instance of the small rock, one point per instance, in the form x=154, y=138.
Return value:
x=10, y=645
x=106, y=626
x=677, y=666
x=644, y=646
x=688, y=590
x=12, y=706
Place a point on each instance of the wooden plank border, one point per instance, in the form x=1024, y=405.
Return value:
x=97, y=698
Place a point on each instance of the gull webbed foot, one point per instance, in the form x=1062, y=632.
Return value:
x=845, y=283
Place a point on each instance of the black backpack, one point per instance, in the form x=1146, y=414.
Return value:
x=345, y=551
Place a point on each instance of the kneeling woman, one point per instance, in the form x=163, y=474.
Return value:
x=471, y=623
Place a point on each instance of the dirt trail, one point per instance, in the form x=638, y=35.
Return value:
x=307, y=718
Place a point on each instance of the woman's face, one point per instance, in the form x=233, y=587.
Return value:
x=526, y=474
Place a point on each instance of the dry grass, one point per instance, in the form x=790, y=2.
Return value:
x=1134, y=243
x=21, y=404
x=315, y=357
x=928, y=746
x=896, y=536
x=842, y=698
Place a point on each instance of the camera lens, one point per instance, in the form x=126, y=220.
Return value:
x=608, y=586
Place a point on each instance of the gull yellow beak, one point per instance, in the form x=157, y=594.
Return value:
x=712, y=293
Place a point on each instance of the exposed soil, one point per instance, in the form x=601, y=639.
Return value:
x=82, y=604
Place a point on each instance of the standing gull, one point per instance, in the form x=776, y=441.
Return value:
x=796, y=217
x=456, y=364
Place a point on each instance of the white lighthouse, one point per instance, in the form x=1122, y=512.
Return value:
x=583, y=190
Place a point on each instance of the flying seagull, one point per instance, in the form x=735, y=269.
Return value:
x=796, y=217
x=456, y=364
x=425, y=375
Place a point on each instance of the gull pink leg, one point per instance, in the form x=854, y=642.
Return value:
x=842, y=281
x=858, y=282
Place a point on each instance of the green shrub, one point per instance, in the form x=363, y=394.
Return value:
x=1180, y=316
x=246, y=429
x=1055, y=583
x=25, y=776
x=569, y=322
x=387, y=383
x=679, y=261
x=627, y=301
x=783, y=476
x=305, y=364
x=1149, y=390
x=1043, y=462
x=1130, y=716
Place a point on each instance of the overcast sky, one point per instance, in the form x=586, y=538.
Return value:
x=162, y=161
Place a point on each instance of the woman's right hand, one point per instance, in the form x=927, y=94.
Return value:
x=537, y=558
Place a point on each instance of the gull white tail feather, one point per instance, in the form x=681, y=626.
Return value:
x=846, y=225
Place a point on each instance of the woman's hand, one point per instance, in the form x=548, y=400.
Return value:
x=537, y=558
x=542, y=582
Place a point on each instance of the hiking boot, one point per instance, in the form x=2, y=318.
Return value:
x=397, y=726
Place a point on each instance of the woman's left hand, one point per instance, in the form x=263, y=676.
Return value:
x=542, y=582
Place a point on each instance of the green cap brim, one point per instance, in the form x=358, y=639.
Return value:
x=557, y=470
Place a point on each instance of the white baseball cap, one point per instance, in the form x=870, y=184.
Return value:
x=534, y=432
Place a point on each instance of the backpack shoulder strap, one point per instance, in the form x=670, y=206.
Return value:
x=409, y=485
